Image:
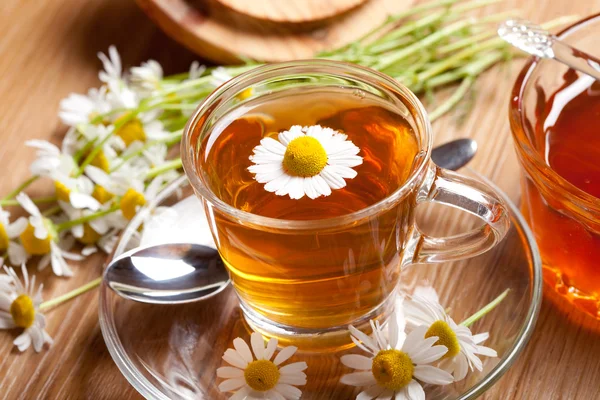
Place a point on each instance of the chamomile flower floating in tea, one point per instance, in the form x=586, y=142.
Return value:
x=427, y=316
x=9, y=233
x=305, y=161
x=40, y=238
x=258, y=377
x=19, y=308
x=396, y=363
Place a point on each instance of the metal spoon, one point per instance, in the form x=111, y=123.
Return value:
x=183, y=272
x=535, y=40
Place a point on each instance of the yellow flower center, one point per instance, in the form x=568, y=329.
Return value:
x=392, y=369
x=22, y=311
x=90, y=236
x=101, y=194
x=446, y=336
x=261, y=375
x=244, y=94
x=33, y=245
x=131, y=131
x=304, y=156
x=3, y=238
x=130, y=202
x=62, y=191
x=101, y=161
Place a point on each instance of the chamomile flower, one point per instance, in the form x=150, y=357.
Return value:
x=128, y=183
x=119, y=94
x=79, y=109
x=19, y=308
x=196, y=70
x=59, y=167
x=147, y=77
x=142, y=127
x=258, y=377
x=305, y=161
x=40, y=238
x=8, y=233
x=425, y=313
x=395, y=364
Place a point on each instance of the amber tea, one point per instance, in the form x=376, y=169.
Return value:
x=314, y=278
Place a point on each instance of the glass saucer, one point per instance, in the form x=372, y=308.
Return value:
x=172, y=351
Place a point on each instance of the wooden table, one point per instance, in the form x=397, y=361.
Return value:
x=48, y=49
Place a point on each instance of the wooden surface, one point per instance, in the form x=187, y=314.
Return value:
x=222, y=34
x=48, y=49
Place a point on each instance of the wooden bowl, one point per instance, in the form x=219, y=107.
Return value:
x=224, y=35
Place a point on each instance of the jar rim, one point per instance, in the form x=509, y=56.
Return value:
x=519, y=130
x=238, y=83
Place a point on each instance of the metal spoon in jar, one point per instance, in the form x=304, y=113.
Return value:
x=176, y=273
x=535, y=40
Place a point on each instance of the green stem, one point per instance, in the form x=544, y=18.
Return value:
x=169, y=165
x=19, y=189
x=38, y=200
x=70, y=295
x=51, y=211
x=86, y=218
x=173, y=138
x=456, y=97
x=486, y=309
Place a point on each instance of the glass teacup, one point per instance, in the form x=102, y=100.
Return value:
x=564, y=218
x=300, y=280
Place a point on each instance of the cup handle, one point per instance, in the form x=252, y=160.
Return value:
x=467, y=194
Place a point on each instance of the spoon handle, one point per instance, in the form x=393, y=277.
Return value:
x=535, y=40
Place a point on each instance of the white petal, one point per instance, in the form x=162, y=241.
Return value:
x=284, y=354
x=233, y=357
x=5, y=301
x=232, y=384
x=298, y=378
x=230, y=372
x=293, y=367
x=321, y=186
x=365, y=339
x=364, y=378
x=333, y=179
x=433, y=375
x=273, y=394
x=286, y=137
x=480, y=337
x=241, y=394
x=486, y=351
x=265, y=177
x=44, y=262
x=288, y=391
x=243, y=350
x=430, y=355
x=310, y=189
x=460, y=367
x=271, y=347
x=28, y=205
x=356, y=361
x=413, y=339
x=16, y=228
x=273, y=146
x=59, y=265
x=414, y=391
x=89, y=250
x=386, y=395
x=393, y=330
x=97, y=175
x=40, y=230
x=37, y=338
x=258, y=345
x=80, y=201
x=343, y=172
x=296, y=187
x=23, y=341
x=17, y=254
x=278, y=184
x=6, y=322
x=370, y=393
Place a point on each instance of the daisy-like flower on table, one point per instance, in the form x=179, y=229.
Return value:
x=258, y=377
x=424, y=312
x=113, y=144
x=305, y=161
x=147, y=77
x=19, y=308
x=119, y=94
x=128, y=183
x=40, y=238
x=395, y=364
x=59, y=167
x=142, y=127
x=8, y=233
x=78, y=109
x=196, y=70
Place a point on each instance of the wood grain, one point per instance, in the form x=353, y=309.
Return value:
x=48, y=49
